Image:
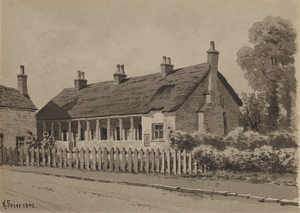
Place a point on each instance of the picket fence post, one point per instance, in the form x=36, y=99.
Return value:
x=168, y=161
x=32, y=156
x=179, y=162
x=60, y=158
x=184, y=161
x=147, y=161
x=76, y=158
x=129, y=160
x=49, y=156
x=65, y=158
x=54, y=157
x=27, y=156
x=157, y=156
x=105, y=159
x=87, y=158
x=111, y=159
x=117, y=168
x=190, y=162
x=10, y=156
x=162, y=170
x=141, y=160
x=135, y=161
x=174, y=161
x=21, y=157
x=152, y=160
x=99, y=159
x=94, y=159
x=38, y=156
x=81, y=156
x=70, y=159
x=123, y=160
x=16, y=156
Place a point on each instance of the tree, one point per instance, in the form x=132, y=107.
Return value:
x=253, y=112
x=269, y=68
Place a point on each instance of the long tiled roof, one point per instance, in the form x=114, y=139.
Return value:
x=136, y=95
x=13, y=98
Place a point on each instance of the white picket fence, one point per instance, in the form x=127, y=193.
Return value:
x=167, y=161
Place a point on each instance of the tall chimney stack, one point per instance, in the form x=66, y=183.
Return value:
x=213, y=60
x=119, y=75
x=22, y=81
x=80, y=81
x=166, y=66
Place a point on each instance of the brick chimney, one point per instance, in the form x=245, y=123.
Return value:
x=213, y=60
x=80, y=81
x=22, y=81
x=166, y=66
x=119, y=75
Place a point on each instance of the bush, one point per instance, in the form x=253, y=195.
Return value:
x=182, y=140
x=259, y=160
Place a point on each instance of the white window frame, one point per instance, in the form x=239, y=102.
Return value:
x=160, y=132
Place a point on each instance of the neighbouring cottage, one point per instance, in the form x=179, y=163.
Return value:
x=17, y=113
x=139, y=111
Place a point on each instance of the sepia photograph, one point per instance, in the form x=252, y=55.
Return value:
x=149, y=106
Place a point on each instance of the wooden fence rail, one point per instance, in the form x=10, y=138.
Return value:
x=117, y=160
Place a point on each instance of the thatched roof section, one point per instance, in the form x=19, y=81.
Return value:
x=136, y=95
x=13, y=98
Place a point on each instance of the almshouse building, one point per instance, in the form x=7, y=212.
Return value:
x=17, y=113
x=139, y=111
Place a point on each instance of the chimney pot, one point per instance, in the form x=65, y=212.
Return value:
x=212, y=45
x=22, y=70
x=164, y=60
x=82, y=75
x=122, y=69
x=79, y=74
x=169, y=60
x=118, y=68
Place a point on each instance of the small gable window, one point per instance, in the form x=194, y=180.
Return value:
x=157, y=131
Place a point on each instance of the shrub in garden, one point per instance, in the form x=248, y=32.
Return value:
x=182, y=140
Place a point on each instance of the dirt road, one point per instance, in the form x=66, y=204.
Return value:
x=25, y=192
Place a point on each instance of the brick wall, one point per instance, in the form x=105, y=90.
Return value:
x=186, y=117
x=14, y=123
x=230, y=107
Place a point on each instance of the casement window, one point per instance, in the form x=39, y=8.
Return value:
x=158, y=131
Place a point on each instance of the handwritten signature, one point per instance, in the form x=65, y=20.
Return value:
x=6, y=204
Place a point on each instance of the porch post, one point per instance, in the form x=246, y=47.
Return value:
x=78, y=131
x=131, y=128
x=108, y=129
x=59, y=132
x=69, y=131
x=52, y=128
x=97, y=129
x=121, y=128
x=88, y=130
x=44, y=127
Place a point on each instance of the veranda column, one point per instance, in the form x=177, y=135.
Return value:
x=44, y=127
x=108, y=129
x=121, y=129
x=52, y=128
x=78, y=131
x=69, y=131
x=97, y=130
x=59, y=132
x=88, y=130
x=131, y=128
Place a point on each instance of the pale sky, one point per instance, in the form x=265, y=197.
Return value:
x=55, y=38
